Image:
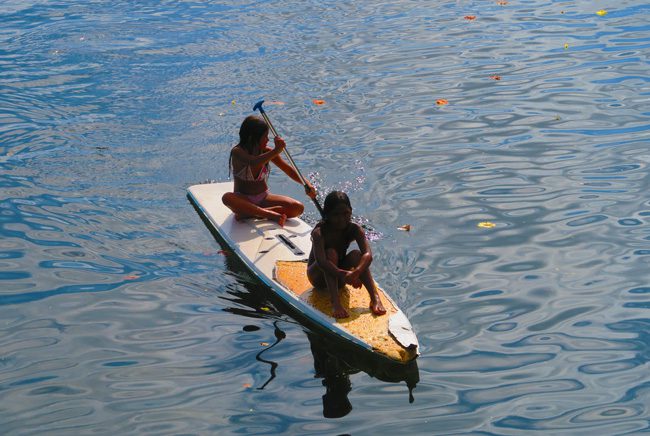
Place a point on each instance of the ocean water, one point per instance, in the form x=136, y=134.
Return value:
x=511, y=136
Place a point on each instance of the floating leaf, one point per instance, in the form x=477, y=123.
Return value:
x=486, y=225
x=276, y=103
x=132, y=277
x=470, y=17
x=566, y=46
x=495, y=77
x=502, y=2
x=264, y=344
x=441, y=102
x=406, y=228
x=318, y=102
x=557, y=118
x=266, y=309
x=602, y=12
x=247, y=385
x=233, y=102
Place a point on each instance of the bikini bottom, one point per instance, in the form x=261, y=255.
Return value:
x=256, y=199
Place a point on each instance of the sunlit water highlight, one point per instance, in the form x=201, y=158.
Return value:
x=121, y=314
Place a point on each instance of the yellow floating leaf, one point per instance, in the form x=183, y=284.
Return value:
x=264, y=344
x=602, y=12
x=266, y=309
x=441, y=102
x=486, y=225
x=566, y=46
x=406, y=228
x=318, y=102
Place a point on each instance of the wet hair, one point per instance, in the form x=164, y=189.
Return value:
x=251, y=131
x=333, y=199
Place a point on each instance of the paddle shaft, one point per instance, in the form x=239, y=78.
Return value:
x=258, y=106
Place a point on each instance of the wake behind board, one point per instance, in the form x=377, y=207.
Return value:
x=278, y=257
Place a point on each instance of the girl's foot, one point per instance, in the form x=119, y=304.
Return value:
x=340, y=312
x=280, y=219
x=376, y=307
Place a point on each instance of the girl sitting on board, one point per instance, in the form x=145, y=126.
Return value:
x=249, y=162
x=330, y=266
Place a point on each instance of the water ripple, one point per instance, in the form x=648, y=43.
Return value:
x=107, y=271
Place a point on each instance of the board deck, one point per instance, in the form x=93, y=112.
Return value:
x=277, y=256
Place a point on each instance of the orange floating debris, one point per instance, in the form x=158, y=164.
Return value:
x=406, y=228
x=495, y=77
x=276, y=103
x=502, y=2
x=470, y=17
x=318, y=101
x=441, y=102
x=132, y=277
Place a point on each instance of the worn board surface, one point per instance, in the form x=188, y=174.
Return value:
x=362, y=323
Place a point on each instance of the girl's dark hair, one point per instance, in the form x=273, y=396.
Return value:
x=333, y=199
x=251, y=131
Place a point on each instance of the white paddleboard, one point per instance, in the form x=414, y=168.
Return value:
x=277, y=256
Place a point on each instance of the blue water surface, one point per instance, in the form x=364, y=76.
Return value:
x=121, y=314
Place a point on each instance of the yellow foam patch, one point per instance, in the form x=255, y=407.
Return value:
x=361, y=323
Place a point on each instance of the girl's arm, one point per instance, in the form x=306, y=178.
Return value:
x=288, y=169
x=291, y=172
x=318, y=247
x=364, y=247
x=268, y=154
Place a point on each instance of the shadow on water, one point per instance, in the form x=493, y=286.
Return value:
x=334, y=359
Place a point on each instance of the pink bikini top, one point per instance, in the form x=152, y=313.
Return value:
x=246, y=174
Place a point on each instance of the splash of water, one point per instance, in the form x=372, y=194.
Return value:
x=347, y=186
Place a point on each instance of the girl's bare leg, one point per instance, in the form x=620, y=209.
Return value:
x=318, y=278
x=352, y=259
x=243, y=208
x=288, y=206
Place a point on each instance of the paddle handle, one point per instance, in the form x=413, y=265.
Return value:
x=258, y=106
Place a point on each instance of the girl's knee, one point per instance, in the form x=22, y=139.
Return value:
x=354, y=256
x=332, y=255
x=227, y=198
x=296, y=209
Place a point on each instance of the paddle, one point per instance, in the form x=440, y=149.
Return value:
x=258, y=107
